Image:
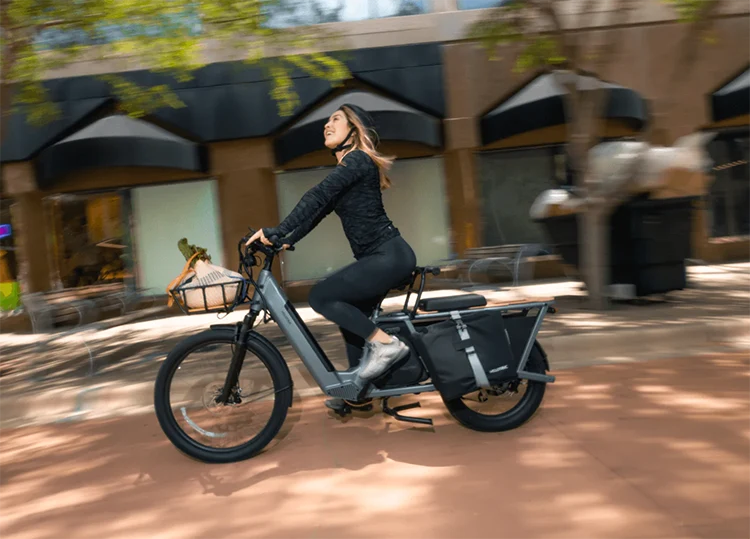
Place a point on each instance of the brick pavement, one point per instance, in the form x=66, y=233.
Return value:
x=658, y=449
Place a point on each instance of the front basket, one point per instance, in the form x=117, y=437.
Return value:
x=211, y=298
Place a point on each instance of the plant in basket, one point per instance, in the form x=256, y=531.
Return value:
x=203, y=286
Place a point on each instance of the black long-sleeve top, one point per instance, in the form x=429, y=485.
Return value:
x=352, y=190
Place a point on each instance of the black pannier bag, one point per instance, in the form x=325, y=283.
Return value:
x=469, y=352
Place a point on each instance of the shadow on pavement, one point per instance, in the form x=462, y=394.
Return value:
x=640, y=450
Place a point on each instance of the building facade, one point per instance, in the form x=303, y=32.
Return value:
x=99, y=197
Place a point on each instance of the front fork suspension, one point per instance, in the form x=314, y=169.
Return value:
x=238, y=357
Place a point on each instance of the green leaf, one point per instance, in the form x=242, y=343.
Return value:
x=690, y=10
x=138, y=101
x=32, y=100
x=541, y=51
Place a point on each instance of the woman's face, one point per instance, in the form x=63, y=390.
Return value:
x=336, y=129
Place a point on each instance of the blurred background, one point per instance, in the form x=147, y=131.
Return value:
x=595, y=152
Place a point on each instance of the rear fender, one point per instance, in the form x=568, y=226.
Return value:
x=544, y=355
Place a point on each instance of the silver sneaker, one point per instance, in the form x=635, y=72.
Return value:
x=380, y=356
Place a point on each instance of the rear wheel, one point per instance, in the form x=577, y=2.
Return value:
x=503, y=408
x=192, y=377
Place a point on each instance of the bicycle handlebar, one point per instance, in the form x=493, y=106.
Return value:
x=247, y=252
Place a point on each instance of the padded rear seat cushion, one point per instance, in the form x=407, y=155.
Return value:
x=453, y=303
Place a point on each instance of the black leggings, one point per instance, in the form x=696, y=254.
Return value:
x=349, y=296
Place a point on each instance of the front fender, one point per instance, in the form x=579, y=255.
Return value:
x=223, y=326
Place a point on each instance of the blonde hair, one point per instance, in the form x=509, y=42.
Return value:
x=362, y=139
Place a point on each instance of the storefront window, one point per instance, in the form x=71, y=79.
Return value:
x=510, y=183
x=130, y=236
x=162, y=216
x=86, y=242
x=729, y=196
x=286, y=13
x=416, y=203
x=9, y=285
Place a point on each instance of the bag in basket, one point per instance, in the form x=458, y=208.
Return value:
x=199, y=287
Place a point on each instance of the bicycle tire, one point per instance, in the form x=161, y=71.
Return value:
x=511, y=419
x=282, y=386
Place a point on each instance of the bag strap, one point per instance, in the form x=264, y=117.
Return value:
x=177, y=280
x=476, y=366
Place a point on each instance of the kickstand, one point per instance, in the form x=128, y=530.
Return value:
x=394, y=412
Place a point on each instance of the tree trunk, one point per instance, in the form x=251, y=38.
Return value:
x=584, y=110
x=593, y=241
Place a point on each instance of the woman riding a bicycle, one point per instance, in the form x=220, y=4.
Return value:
x=384, y=259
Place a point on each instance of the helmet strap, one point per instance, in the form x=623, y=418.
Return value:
x=343, y=146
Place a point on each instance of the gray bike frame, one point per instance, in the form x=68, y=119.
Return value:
x=347, y=384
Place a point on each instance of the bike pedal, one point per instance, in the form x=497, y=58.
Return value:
x=343, y=412
x=342, y=409
x=347, y=408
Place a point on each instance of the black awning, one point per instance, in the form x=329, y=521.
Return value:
x=732, y=99
x=233, y=100
x=118, y=141
x=540, y=104
x=394, y=121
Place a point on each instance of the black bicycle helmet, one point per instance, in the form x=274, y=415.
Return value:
x=364, y=117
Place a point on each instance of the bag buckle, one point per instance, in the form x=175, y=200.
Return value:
x=459, y=321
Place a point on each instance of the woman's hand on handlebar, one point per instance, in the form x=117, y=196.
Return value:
x=259, y=235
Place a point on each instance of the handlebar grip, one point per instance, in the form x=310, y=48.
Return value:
x=278, y=244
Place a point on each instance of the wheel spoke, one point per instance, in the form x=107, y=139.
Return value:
x=264, y=392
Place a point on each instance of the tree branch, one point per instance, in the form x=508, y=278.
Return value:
x=587, y=14
x=700, y=21
x=565, y=39
x=51, y=24
x=585, y=106
x=608, y=49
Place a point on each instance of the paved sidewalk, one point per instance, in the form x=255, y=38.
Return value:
x=657, y=450
x=97, y=372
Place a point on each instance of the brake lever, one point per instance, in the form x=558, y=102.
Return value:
x=278, y=245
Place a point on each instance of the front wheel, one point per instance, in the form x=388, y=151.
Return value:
x=504, y=408
x=192, y=377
